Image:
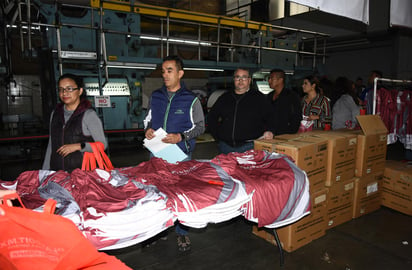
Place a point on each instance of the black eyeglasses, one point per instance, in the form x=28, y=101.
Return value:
x=241, y=78
x=67, y=89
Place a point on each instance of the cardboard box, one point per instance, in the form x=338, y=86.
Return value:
x=308, y=156
x=311, y=137
x=343, y=164
x=372, y=145
x=340, y=202
x=288, y=137
x=397, y=187
x=367, y=194
x=341, y=153
x=304, y=230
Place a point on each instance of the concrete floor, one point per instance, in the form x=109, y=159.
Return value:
x=380, y=240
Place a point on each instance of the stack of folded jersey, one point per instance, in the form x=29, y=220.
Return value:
x=135, y=224
x=281, y=189
x=125, y=206
x=141, y=212
x=110, y=209
x=199, y=192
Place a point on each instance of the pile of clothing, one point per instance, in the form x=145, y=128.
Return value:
x=125, y=206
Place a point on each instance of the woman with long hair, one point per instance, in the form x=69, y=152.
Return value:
x=315, y=106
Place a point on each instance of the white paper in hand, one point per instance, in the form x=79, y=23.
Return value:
x=169, y=152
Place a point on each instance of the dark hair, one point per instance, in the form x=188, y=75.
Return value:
x=327, y=86
x=280, y=71
x=242, y=68
x=313, y=80
x=177, y=59
x=343, y=86
x=77, y=80
x=378, y=73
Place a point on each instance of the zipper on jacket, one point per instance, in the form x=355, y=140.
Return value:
x=167, y=111
x=234, y=120
x=64, y=126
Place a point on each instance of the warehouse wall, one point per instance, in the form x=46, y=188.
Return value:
x=354, y=48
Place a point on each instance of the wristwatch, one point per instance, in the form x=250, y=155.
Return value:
x=182, y=135
x=82, y=145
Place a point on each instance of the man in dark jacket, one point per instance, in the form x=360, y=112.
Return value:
x=241, y=116
x=287, y=109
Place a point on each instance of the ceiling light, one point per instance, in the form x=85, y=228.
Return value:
x=204, y=69
x=131, y=65
x=178, y=40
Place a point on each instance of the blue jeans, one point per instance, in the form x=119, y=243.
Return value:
x=224, y=148
x=181, y=229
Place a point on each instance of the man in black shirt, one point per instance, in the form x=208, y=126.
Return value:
x=286, y=105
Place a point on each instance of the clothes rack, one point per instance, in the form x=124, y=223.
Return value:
x=396, y=130
x=375, y=83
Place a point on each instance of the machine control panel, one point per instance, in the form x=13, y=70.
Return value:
x=118, y=87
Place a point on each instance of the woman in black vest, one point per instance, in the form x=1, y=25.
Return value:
x=73, y=124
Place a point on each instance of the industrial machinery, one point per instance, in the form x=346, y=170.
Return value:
x=116, y=45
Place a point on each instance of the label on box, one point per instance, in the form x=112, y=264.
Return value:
x=406, y=178
x=349, y=186
x=371, y=188
x=320, y=199
x=353, y=141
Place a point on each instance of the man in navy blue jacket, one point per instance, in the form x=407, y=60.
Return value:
x=175, y=109
x=179, y=112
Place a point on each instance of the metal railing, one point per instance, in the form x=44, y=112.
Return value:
x=307, y=42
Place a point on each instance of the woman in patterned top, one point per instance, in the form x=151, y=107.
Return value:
x=315, y=106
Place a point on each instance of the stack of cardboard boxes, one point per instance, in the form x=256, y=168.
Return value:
x=344, y=168
x=312, y=158
x=370, y=164
x=397, y=186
